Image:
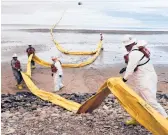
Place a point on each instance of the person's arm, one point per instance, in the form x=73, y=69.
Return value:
x=134, y=58
x=34, y=50
x=20, y=66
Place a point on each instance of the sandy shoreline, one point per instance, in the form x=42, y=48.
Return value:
x=29, y=23
x=76, y=80
x=72, y=29
x=87, y=31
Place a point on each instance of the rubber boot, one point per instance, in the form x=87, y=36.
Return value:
x=131, y=122
x=23, y=84
x=20, y=87
x=62, y=87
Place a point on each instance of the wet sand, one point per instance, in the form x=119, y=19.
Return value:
x=76, y=80
x=86, y=31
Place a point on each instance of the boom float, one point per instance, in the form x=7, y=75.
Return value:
x=82, y=64
x=58, y=46
x=131, y=102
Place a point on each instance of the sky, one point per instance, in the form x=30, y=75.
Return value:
x=92, y=14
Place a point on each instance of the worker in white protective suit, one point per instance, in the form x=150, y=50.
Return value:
x=57, y=74
x=140, y=70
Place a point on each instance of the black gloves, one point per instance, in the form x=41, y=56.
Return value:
x=52, y=74
x=135, y=69
x=60, y=75
x=124, y=80
x=122, y=70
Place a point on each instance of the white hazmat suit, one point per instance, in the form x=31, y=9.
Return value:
x=144, y=80
x=58, y=76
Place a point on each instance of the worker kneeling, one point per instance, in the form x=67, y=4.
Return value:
x=16, y=68
x=141, y=72
x=57, y=73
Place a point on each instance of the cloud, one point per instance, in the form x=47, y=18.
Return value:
x=90, y=14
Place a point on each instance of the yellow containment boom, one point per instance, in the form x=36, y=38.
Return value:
x=28, y=73
x=56, y=99
x=95, y=101
x=132, y=103
x=138, y=108
x=61, y=49
x=77, y=65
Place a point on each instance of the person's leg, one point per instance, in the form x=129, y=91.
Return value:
x=22, y=81
x=56, y=82
x=148, y=93
x=60, y=82
x=15, y=73
x=19, y=79
x=151, y=100
x=132, y=121
x=135, y=86
x=33, y=64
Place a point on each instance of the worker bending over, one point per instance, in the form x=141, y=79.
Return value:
x=140, y=70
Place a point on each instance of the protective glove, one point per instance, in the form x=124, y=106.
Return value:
x=122, y=70
x=124, y=80
x=135, y=69
x=60, y=75
x=52, y=74
x=19, y=69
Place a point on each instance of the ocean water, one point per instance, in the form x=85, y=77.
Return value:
x=37, y=17
x=112, y=54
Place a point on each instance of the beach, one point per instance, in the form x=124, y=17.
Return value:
x=29, y=22
x=84, y=79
